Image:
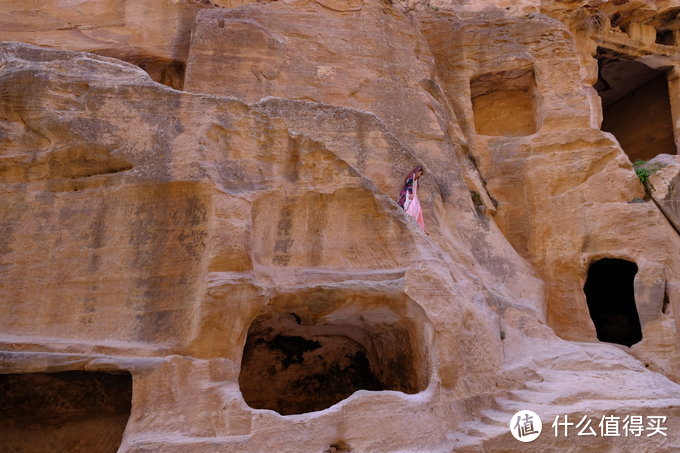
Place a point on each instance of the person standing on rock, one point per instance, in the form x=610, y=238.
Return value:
x=408, y=197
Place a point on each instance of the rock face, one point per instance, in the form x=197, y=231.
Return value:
x=236, y=249
x=149, y=33
x=561, y=221
x=664, y=182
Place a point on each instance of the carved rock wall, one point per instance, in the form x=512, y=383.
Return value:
x=235, y=246
x=561, y=220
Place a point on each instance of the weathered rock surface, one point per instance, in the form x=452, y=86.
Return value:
x=237, y=249
x=665, y=185
x=367, y=58
x=548, y=183
x=152, y=34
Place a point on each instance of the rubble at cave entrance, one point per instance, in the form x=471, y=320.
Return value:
x=294, y=365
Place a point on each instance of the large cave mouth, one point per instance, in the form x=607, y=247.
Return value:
x=293, y=363
x=74, y=411
x=610, y=294
x=635, y=105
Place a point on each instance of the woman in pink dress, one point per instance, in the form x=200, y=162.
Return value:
x=408, y=198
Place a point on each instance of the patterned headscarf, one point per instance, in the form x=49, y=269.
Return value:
x=408, y=185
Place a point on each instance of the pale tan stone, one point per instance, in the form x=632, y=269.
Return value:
x=187, y=237
x=175, y=214
x=551, y=202
x=152, y=34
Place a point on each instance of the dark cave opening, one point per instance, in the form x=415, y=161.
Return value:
x=72, y=411
x=665, y=37
x=635, y=105
x=293, y=366
x=167, y=71
x=610, y=295
x=667, y=26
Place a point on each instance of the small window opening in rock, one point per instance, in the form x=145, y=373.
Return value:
x=504, y=103
x=73, y=411
x=635, y=106
x=611, y=301
x=162, y=70
x=665, y=37
x=167, y=72
x=294, y=363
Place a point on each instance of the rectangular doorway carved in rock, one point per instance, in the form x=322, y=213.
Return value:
x=635, y=105
x=504, y=102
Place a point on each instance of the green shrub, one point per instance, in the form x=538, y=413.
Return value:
x=476, y=198
x=642, y=173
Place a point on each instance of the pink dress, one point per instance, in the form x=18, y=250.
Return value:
x=413, y=209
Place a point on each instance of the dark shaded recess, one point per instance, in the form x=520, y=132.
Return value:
x=167, y=71
x=665, y=37
x=74, y=411
x=84, y=161
x=504, y=102
x=311, y=383
x=80, y=161
x=335, y=383
x=292, y=348
x=611, y=301
x=666, y=23
x=635, y=105
x=339, y=446
x=322, y=364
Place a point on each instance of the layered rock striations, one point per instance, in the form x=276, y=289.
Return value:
x=204, y=201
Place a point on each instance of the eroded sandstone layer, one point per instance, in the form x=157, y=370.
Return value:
x=200, y=195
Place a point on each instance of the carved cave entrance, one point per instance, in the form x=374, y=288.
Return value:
x=667, y=25
x=74, y=411
x=611, y=301
x=635, y=105
x=299, y=360
x=504, y=102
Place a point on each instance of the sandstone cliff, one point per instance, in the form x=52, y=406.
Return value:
x=201, y=250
